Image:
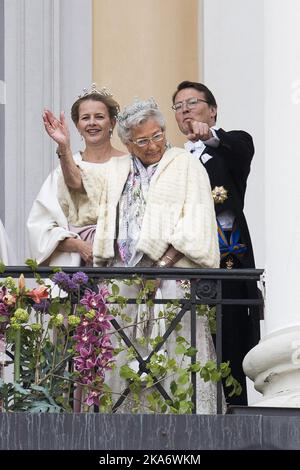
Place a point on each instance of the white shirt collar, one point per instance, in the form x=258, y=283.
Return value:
x=192, y=146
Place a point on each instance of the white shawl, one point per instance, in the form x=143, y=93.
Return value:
x=179, y=211
x=47, y=225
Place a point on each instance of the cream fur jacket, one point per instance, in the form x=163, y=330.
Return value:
x=179, y=209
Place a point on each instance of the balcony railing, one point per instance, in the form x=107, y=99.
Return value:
x=205, y=288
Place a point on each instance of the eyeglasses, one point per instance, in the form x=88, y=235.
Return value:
x=190, y=103
x=146, y=141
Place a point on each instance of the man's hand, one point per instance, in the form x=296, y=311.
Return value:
x=198, y=131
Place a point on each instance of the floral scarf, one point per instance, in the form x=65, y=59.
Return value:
x=131, y=210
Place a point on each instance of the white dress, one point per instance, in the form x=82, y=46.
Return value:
x=7, y=255
x=146, y=324
x=47, y=224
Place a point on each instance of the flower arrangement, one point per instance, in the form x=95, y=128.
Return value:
x=64, y=340
x=56, y=341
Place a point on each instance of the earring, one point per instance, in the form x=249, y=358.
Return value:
x=110, y=132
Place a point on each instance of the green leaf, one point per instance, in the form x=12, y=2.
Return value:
x=154, y=342
x=56, y=269
x=180, y=340
x=229, y=381
x=195, y=367
x=43, y=407
x=115, y=289
x=184, y=378
x=127, y=373
x=173, y=387
x=54, y=308
x=2, y=267
x=185, y=407
x=171, y=364
x=18, y=388
x=164, y=408
x=215, y=376
x=204, y=374
x=211, y=365
x=149, y=381
x=180, y=349
x=225, y=369
x=191, y=352
x=32, y=263
x=150, y=285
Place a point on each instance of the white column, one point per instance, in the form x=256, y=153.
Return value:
x=233, y=65
x=48, y=60
x=274, y=363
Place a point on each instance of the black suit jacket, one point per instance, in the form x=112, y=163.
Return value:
x=229, y=167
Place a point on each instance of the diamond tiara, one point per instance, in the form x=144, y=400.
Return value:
x=93, y=89
x=136, y=107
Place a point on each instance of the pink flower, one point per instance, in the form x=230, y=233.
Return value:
x=39, y=294
x=90, y=363
x=93, y=344
x=21, y=284
x=85, y=352
x=93, y=398
x=91, y=300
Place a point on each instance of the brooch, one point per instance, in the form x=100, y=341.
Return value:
x=219, y=194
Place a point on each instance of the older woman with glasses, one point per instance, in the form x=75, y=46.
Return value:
x=162, y=213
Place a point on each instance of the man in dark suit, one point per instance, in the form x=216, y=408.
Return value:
x=227, y=158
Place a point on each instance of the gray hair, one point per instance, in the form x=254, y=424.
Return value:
x=136, y=114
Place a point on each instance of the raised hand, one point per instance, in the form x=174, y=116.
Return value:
x=198, y=131
x=57, y=129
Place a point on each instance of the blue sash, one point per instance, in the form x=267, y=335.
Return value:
x=231, y=247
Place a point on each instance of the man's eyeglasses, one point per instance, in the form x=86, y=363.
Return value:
x=146, y=141
x=190, y=104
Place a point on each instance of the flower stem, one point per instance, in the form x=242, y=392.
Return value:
x=17, y=356
x=55, y=340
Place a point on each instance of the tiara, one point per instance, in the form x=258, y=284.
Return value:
x=135, y=107
x=93, y=89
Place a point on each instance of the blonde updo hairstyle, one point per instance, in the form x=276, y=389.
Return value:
x=112, y=106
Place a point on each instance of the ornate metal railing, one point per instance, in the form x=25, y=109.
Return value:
x=205, y=289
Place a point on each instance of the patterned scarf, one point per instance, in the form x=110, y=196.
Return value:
x=131, y=210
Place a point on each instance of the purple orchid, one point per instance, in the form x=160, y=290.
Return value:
x=93, y=344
